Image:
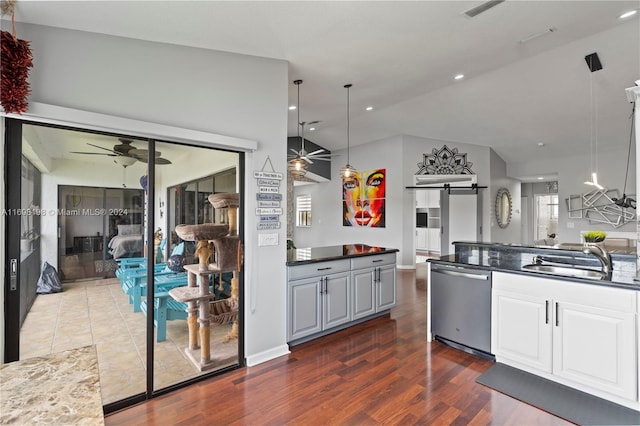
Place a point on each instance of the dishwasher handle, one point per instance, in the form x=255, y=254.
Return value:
x=481, y=277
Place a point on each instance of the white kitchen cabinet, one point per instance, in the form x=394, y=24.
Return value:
x=422, y=199
x=374, y=284
x=580, y=335
x=433, y=239
x=422, y=239
x=427, y=198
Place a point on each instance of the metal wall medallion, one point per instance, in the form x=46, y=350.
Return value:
x=503, y=207
x=444, y=161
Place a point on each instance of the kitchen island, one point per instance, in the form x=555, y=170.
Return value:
x=331, y=288
x=580, y=332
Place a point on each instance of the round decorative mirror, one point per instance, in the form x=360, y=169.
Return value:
x=503, y=207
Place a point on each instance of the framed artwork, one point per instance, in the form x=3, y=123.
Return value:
x=363, y=199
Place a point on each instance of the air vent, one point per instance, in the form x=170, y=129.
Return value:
x=475, y=11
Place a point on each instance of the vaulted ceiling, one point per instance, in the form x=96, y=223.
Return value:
x=525, y=78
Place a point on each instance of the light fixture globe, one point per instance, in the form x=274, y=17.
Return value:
x=297, y=167
x=124, y=161
x=348, y=171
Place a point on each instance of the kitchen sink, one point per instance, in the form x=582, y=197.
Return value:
x=567, y=271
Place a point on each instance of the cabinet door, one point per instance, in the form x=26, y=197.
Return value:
x=304, y=308
x=433, y=239
x=364, y=293
x=422, y=199
x=386, y=288
x=433, y=199
x=521, y=329
x=596, y=347
x=336, y=300
x=421, y=239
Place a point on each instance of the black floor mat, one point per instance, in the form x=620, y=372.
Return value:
x=562, y=401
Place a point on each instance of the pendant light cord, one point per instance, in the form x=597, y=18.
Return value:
x=348, y=86
x=633, y=110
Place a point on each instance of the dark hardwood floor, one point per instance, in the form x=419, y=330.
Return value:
x=379, y=372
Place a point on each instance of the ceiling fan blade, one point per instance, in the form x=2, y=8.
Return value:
x=142, y=153
x=321, y=159
x=94, y=153
x=307, y=160
x=159, y=160
x=106, y=149
x=317, y=151
x=293, y=150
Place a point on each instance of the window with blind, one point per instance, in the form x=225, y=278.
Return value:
x=303, y=210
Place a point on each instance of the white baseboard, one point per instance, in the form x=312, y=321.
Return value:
x=267, y=355
x=406, y=266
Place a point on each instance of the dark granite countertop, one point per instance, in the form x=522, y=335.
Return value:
x=302, y=256
x=511, y=258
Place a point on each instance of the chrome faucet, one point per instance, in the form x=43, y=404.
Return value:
x=602, y=254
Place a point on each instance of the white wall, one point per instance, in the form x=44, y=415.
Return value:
x=400, y=156
x=513, y=232
x=572, y=172
x=217, y=92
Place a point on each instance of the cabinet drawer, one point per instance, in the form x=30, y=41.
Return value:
x=372, y=261
x=317, y=269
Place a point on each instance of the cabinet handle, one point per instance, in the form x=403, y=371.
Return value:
x=378, y=272
x=557, y=317
x=321, y=285
x=376, y=261
x=324, y=269
x=546, y=312
x=326, y=287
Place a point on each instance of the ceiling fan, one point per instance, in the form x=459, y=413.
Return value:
x=303, y=155
x=126, y=154
x=318, y=154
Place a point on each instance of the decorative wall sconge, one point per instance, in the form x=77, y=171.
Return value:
x=504, y=205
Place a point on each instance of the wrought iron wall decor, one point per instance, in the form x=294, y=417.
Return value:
x=444, y=161
x=598, y=206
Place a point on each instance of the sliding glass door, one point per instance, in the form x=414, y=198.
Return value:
x=106, y=204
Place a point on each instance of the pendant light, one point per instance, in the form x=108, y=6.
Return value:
x=594, y=65
x=298, y=167
x=348, y=171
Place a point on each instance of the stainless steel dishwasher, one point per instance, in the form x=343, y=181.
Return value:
x=461, y=308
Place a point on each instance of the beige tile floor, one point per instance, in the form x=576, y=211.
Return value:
x=98, y=313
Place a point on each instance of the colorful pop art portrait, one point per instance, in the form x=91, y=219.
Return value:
x=363, y=199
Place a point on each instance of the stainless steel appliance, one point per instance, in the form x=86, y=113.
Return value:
x=461, y=308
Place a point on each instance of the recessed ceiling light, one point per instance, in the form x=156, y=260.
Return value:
x=459, y=77
x=292, y=107
x=540, y=144
x=369, y=108
x=540, y=177
x=312, y=129
x=627, y=14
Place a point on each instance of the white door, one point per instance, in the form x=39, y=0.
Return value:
x=463, y=218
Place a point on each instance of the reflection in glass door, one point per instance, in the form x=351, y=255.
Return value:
x=182, y=191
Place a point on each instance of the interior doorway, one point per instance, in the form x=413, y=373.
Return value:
x=546, y=219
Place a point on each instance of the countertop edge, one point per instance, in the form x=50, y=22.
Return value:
x=344, y=256
x=615, y=284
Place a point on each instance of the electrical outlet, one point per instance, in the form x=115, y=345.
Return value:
x=267, y=239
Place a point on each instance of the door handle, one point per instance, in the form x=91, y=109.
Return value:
x=546, y=312
x=481, y=277
x=13, y=275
